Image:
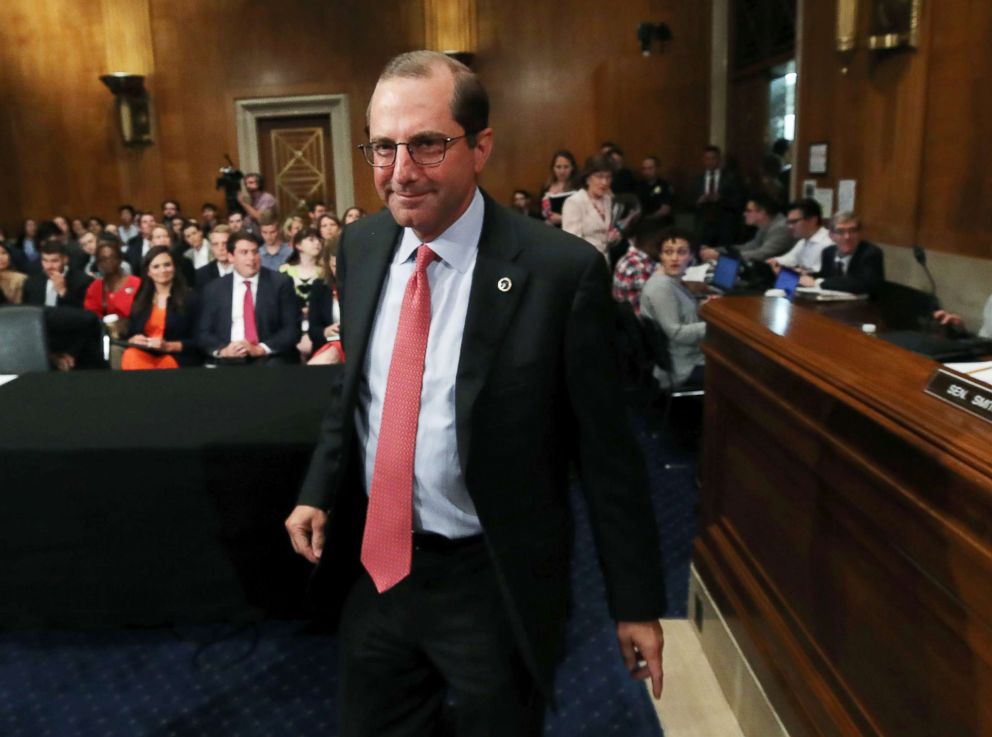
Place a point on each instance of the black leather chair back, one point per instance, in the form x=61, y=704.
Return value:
x=23, y=345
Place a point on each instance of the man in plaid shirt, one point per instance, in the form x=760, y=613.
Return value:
x=637, y=265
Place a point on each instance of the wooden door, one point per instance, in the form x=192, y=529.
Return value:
x=296, y=160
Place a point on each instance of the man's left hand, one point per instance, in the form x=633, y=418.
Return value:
x=641, y=644
x=807, y=281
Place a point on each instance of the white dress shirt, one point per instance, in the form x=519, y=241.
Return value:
x=807, y=252
x=238, y=306
x=441, y=503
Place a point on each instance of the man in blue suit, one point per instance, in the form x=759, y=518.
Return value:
x=437, y=500
x=252, y=314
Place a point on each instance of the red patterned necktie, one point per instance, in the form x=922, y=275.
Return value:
x=388, y=540
x=251, y=330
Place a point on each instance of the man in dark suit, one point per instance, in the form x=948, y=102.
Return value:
x=479, y=365
x=221, y=263
x=73, y=333
x=138, y=246
x=852, y=265
x=251, y=314
x=719, y=201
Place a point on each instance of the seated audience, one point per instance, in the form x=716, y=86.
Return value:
x=304, y=268
x=198, y=250
x=252, y=314
x=853, y=265
x=772, y=236
x=138, y=246
x=352, y=214
x=27, y=253
x=220, y=265
x=956, y=322
x=523, y=202
x=654, y=193
x=57, y=285
x=95, y=225
x=85, y=259
x=805, y=222
x=127, y=229
x=324, y=312
x=11, y=280
x=161, y=333
x=73, y=333
x=589, y=212
x=292, y=225
x=274, y=250
x=235, y=221
x=329, y=227
x=562, y=184
x=666, y=301
x=315, y=209
x=640, y=261
x=114, y=291
x=208, y=218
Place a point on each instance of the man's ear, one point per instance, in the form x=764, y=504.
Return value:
x=483, y=148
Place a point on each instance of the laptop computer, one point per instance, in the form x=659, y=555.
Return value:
x=787, y=281
x=725, y=274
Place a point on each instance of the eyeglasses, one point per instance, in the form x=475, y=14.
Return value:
x=423, y=150
x=847, y=231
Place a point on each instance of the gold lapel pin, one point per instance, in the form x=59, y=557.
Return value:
x=504, y=284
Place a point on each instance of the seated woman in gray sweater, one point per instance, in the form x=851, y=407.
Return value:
x=666, y=301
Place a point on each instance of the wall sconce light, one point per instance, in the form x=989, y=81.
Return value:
x=847, y=31
x=647, y=33
x=132, y=106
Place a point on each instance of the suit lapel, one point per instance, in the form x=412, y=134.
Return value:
x=490, y=309
x=225, y=310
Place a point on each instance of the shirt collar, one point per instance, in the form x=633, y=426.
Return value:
x=820, y=236
x=457, y=245
x=242, y=279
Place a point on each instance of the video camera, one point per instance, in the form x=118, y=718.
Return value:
x=230, y=181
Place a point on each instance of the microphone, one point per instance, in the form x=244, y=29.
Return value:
x=921, y=258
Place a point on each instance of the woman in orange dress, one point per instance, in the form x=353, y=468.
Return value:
x=162, y=318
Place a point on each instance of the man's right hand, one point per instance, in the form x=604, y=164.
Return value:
x=306, y=531
x=949, y=319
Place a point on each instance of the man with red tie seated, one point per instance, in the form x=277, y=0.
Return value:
x=438, y=498
x=251, y=314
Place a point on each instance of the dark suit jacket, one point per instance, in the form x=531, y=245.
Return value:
x=179, y=325
x=134, y=255
x=76, y=283
x=719, y=223
x=277, y=313
x=865, y=270
x=536, y=387
x=206, y=274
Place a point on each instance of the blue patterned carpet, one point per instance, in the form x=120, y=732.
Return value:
x=277, y=679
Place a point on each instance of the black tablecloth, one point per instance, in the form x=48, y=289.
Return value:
x=151, y=497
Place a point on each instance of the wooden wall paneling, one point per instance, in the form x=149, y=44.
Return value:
x=957, y=150
x=873, y=117
x=547, y=65
x=846, y=526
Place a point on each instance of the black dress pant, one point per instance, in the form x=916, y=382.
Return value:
x=440, y=635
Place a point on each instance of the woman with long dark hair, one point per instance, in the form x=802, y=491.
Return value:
x=163, y=316
x=325, y=312
x=561, y=184
x=11, y=279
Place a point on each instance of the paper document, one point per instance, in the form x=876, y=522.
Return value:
x=828, y=295
x=696, y=273
x=977, y=370
x=4, y=378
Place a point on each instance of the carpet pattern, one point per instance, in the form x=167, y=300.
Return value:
x=276, y=678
